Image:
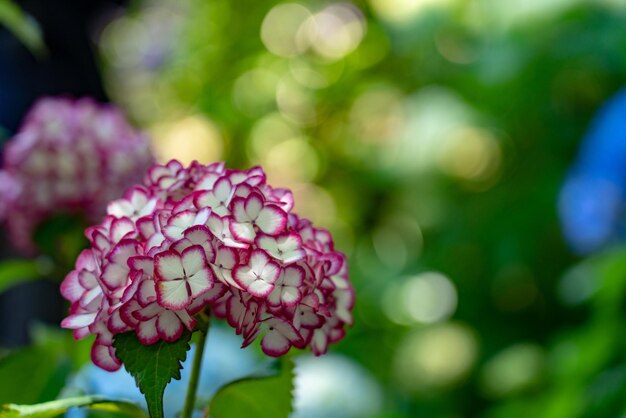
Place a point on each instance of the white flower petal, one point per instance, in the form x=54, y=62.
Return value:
x=78, y=320
x=169, y=326
x=290, y=295
x=272, y=220
x=260, y=288
x=222, y=190
x=275, y=344
x=200, y=282
x=168, y=266
x=243, y=231
x=173, y=294
x=147, y=331
x=193, y=260
x=253, y=205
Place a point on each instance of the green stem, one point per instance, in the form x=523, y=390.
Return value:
x=190, y=400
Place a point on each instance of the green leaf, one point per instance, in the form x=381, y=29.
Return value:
x=32, y=375
x=13, y=272
x=25, y=28
x=55, y=408
x=259, y=397
x=152, y=366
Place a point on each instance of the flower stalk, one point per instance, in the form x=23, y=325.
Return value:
x=190, y=399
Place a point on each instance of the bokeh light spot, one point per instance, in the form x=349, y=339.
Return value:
x=433, y=114
x=295, y=102
x=470, y=154
x=190, y=138
x=430, y=297
x=280, y=26
x=512, y=370
x=425, y=298
x=335, y=31
x=404, y=11
x=269, y=131
x=315, y=203
x=334, y=387
x=455, y=48
x=291, y=162
x=436, y=357
x=390, y=248
x=578, y=285
x=306, y=75
x=377, y=115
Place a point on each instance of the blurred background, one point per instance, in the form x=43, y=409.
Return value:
x=450, y=146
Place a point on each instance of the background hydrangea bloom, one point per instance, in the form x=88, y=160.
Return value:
x=68, y=156
x=206, y=236
x=591, y=204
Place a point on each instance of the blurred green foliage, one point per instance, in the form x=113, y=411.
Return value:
x=40, y=372
x=18, y=271
x=51, y=409
x=23, y=27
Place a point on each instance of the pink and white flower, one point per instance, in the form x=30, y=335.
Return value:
x=137, y=202
x=218, y=198
x=280, y=336
x=225, y=261
x=180, y=278
x=181, y=221
x=287, y=288
x=259, y=275
x=287, y=248
x=252, y=214
x=71, y=156
x=205, y=238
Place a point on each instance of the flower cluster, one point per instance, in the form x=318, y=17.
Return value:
x=205, y=237
x=69, y=156
x=592, y=201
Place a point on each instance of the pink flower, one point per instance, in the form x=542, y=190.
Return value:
x=259, y=275
x=280, y=336
x=252, y=214
x=286, y=248
x=180, y=278
x=70, y=156
x=287, y=287
x=208, y=238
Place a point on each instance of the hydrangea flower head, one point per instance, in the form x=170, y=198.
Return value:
x=204, y=237
x=592, y=201
x=68, y=156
